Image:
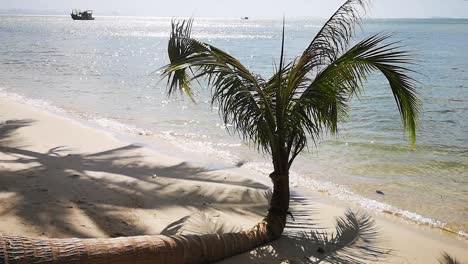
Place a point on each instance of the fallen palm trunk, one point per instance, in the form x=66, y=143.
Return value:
x=140, y=249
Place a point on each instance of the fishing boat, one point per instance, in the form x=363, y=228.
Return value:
x=85, y=15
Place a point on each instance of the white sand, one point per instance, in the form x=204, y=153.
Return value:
x=59, y=178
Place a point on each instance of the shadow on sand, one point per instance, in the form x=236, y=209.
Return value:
x=50, y=186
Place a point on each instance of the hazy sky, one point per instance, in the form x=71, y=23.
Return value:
x=251, y=8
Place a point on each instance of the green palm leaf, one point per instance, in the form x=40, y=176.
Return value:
x=332, y=39
x=327, y=97
x=305, y=98
x=240, y=94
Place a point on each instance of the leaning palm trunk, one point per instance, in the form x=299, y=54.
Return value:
x=139, y=249
x=177, y=249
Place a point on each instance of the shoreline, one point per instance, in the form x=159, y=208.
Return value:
x=170, y=145
x=96, y=159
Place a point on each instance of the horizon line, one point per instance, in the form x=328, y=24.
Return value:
x=107, y=14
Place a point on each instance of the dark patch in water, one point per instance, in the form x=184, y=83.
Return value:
x=449, y=121
x=456, y=100
x=446, y=111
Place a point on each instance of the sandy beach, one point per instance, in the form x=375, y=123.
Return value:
x=61, y=178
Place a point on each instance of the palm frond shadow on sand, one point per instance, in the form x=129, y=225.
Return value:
x=8, y=128
x=447, y=259
x=54, y=185
x=354, y=240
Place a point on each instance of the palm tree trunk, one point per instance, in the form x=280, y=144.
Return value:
x=152, y=249
x=280, y=198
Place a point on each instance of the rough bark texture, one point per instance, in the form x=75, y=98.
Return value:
x=138, y=250
x=279, y=202
x=150, y=249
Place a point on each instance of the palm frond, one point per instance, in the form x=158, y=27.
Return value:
x=328, y=44
x=447, y=259
x=280, y=98
x=178, y=48
x=331, y=41
x=333, y=38
x=239, y=94
x=354, y=241
x=305, y=98
x=320, y=106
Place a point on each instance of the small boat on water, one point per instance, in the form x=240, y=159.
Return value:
x=85, y=15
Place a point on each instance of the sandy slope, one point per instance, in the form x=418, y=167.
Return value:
x=59, y=178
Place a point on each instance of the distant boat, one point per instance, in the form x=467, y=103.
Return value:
x=85, y=15
x=244, y=18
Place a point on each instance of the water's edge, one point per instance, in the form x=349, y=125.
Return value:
x=129, y=133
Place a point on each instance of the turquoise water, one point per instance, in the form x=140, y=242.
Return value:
x=105, y=71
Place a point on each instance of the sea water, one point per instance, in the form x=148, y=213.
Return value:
x=106, y=72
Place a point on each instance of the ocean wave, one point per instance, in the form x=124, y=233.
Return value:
x=37, y=103
x=116, y=126
x=188, y=143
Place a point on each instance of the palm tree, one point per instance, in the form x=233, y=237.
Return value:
x=302, y=100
